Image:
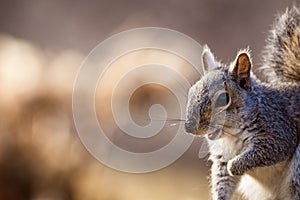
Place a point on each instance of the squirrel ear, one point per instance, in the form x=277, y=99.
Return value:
x=240, y=70
x=208, y=60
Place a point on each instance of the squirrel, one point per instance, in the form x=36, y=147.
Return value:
x=252, y=127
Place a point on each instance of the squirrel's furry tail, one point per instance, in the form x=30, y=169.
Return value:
x=281, y=57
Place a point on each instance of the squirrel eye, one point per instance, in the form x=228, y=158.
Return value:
x=222, y=100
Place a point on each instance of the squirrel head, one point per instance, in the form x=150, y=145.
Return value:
x=217, y=100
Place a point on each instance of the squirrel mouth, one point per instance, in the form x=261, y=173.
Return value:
x=211, y=134
x=214, y=134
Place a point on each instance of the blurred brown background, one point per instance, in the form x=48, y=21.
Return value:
x=42, y=44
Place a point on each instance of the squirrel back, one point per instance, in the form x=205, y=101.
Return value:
x=281, y=56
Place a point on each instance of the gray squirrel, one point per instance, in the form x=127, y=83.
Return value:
x=252, y=127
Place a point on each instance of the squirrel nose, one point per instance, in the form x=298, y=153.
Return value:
x=190, y=126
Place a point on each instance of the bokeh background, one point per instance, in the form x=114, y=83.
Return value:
x=43, y=43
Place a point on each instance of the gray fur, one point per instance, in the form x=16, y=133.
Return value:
x=281, y=54
x=253, y=139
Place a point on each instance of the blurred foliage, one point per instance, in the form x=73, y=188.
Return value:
x=41, y=156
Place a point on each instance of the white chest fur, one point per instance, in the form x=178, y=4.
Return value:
x=227, y=147
x=268, y=183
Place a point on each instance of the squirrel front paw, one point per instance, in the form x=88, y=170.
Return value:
x=233, y=168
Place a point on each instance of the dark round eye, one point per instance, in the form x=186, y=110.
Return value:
x=222, y=100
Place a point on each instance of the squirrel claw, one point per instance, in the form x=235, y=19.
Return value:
x=229, y=167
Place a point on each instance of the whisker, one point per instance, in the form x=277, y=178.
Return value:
x=167, y=119
x=173, y=124
x=176, y=120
